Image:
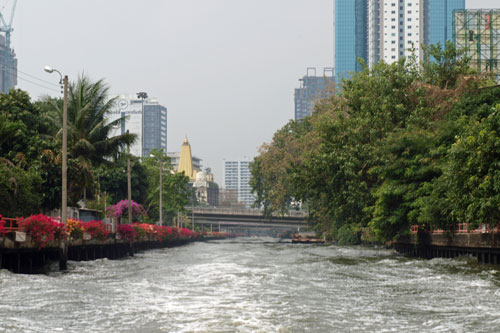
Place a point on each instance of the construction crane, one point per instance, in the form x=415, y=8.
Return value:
x=7, y=66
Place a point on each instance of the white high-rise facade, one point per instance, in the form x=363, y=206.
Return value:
x=237, y=178
x=395, y=28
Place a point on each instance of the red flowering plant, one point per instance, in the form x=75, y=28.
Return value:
x=160, y=232
x=174, y=235
x=96, y=229
x=185, y=233
x=43, y=229
x=148, y=230
x=127, y=232
x=140, y=233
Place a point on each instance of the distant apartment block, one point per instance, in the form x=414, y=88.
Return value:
x=312, y=88
x=150, y=127
x=477, y=32
x=237, y=178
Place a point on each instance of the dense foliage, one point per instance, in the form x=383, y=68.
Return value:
x=30, y=156
x=400, y=144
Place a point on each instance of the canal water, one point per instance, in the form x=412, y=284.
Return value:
x=256, y=285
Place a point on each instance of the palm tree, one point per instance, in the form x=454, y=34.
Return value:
x=88, y=128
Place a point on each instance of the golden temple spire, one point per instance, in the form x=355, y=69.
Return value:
x=186, y=160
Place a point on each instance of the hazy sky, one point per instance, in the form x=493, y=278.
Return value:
x=225, y=69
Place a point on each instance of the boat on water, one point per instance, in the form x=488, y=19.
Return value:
x=307, y=237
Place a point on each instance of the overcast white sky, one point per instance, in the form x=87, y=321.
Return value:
x=225, y=69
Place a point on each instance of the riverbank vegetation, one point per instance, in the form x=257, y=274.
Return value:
x=398, y=145
x=44, y=231
x=30, y=157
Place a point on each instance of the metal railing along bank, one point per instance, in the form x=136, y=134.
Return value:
x=463, y=228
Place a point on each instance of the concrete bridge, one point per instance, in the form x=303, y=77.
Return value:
x=247, y=219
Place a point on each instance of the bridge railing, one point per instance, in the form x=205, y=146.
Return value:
x=251, y=212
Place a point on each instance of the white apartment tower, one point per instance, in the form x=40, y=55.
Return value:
x=236, y=178
x=394, y=28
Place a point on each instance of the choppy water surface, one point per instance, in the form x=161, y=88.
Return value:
x=256, y=285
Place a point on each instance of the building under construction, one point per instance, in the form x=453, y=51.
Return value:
x=477, y=31
x=8, y=61
x=312, y=89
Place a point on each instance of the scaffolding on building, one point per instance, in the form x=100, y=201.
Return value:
x=477, y=32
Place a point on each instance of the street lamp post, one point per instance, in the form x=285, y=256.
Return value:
x=64, y=185
x=64, y=199
x=142, y=95
x=129, y=185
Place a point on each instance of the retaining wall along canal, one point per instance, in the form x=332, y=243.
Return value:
x=484, y=246
x=24, y=257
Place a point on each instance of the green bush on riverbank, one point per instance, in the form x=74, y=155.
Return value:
x=400, y=144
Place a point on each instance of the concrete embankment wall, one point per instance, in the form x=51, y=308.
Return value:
x=484, y=246
x=25, y=258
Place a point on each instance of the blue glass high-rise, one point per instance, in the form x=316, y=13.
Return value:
x=350, y=36
x=440, y=20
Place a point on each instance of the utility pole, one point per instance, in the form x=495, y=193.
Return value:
x=142, y=95
x=63, y=251
x=129, y=185
x=161, y=193
x=192, y=210
x=64, y=203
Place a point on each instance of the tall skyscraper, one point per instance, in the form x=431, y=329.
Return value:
x=440, y=20
x=392, y=28
x=350, y=36
x=155, y=126
x=151, y=130
x=312, y=88
x=237, y=178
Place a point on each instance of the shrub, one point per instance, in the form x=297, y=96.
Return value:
x=96, y=229
x=126, y=231
x=75, y=228
x=348, y=235
x=43, y=229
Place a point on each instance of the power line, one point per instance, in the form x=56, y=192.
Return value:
x=37, y=84
x=34, y=77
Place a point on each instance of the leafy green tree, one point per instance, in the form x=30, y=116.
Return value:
x=19, y=191
x=89, y=143
x=112, y=179
x=473, y=172
x=371, y=159
x=25, y=144
x=176, y=192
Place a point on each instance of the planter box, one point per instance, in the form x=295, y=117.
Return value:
x=86, y=236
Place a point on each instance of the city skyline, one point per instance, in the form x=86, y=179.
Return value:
x=225, y=70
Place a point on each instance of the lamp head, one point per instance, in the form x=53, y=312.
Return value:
x=49, y=69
